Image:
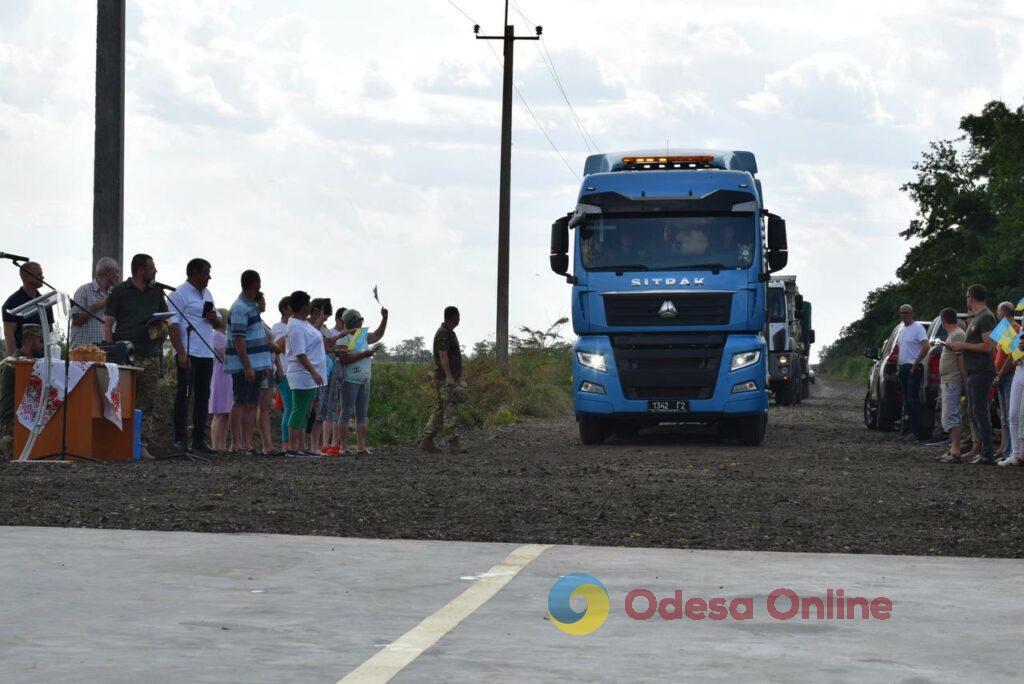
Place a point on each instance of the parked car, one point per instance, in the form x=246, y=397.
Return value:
x=883, y=402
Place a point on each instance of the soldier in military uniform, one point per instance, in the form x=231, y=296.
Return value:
x=444, y=417
x=31, y=348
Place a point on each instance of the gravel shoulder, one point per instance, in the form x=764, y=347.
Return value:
x=822, y=482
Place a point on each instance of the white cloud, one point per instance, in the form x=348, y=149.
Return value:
x=335, y=146
x=833, y=87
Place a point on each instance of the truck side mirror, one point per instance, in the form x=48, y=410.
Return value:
x=871, y=353
x=778, y=250
x=810, y=337
x=798, y=300
x=560, y=245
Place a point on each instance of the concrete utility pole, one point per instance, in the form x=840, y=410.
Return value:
x=505, y=181
x=108, y=159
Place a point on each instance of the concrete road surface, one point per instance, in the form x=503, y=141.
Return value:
x=122, y=606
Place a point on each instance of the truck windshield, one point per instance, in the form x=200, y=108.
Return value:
x=776, y=305
x=641, y=242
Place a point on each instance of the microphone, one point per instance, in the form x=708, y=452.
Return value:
x=164, y=287
x=12, y=257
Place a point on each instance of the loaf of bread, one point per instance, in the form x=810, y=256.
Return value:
x=88, y=352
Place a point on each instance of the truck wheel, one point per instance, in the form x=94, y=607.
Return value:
x=784, y=394
x=807, y=389
x=870, y=413
x=798, y=390
x=591, y=430
x=751, y=429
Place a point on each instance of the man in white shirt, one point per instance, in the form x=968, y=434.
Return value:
x=913, y=347
x=192, y=337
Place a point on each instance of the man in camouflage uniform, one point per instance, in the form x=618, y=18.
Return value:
x=31, y=348
x=444, y=417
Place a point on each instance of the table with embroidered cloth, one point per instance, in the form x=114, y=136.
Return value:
x=100, y=408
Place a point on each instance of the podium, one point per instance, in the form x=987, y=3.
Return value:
x=89, y=434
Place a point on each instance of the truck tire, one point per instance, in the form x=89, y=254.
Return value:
x=798, y=390
x=784, y=394
x=592, y=430
x=751, y=429
x=807, y=388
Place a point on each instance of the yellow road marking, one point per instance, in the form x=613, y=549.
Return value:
x=391, y=659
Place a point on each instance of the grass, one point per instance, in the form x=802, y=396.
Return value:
x=847, y=367
x=537, y=384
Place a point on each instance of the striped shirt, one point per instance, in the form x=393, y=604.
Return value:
x=246, y=322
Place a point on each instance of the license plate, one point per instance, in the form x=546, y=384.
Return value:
x=668, y=406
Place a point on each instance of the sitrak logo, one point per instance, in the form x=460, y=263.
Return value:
x=587, y=587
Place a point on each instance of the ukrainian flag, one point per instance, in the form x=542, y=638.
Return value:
x=1003, y=335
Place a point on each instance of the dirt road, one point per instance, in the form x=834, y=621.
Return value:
x=821, y=482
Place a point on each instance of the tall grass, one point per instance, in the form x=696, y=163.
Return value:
x=537, y=384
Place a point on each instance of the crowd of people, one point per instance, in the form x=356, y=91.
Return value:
x=315, y=363
x=972, y=368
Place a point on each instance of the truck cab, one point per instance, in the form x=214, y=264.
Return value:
x=671, y=252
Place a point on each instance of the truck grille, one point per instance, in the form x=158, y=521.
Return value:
x=691, y=308
x=668, y=366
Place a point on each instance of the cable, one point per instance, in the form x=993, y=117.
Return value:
x=545, y=57
x=462, y=12
x=533, y=116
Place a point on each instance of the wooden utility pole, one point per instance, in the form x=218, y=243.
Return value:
x=505, y=182
x=108, y=159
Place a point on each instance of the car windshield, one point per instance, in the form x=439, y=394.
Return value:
x=776, y=305
x=641, y=242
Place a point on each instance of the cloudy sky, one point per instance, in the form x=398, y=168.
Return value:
x=335, y=145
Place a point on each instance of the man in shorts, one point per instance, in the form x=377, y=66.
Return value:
x=247, y=358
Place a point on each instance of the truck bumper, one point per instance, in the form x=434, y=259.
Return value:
x=724, y=402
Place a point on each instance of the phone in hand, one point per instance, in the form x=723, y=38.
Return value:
x=207, y=309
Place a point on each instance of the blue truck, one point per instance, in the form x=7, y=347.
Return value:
x=672, y=252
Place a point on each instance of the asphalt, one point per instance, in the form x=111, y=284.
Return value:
x=124, y=606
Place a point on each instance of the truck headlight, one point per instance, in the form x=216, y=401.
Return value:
x=591, y=387
x=590, y=360
x=783, y=359
x=744, y=359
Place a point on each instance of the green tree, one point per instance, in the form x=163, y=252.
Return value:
x=968, y=227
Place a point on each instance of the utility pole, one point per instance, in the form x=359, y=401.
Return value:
x=108, y=158
x=505, y=182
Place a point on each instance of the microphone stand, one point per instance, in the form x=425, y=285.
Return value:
x=190, y=375
x=63, y=454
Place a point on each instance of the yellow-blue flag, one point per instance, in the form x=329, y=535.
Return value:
x=1015, y=353
x=1003, y=335
x=1020, y=304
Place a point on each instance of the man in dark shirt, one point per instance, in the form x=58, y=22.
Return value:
x=444, y=417
x=130, y=307
x=31, y=280
x=977, y=356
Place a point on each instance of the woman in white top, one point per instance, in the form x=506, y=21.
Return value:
x=306, y=368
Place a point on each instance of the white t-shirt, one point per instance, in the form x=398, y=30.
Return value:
x=910, y=339
x=278, y=331
x=191, y=302
x=303, y=338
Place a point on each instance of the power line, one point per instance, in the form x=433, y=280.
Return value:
x=545, y=57
x=536, y=121
x=462, y=11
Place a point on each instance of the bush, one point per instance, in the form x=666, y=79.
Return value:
x=537, y=384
